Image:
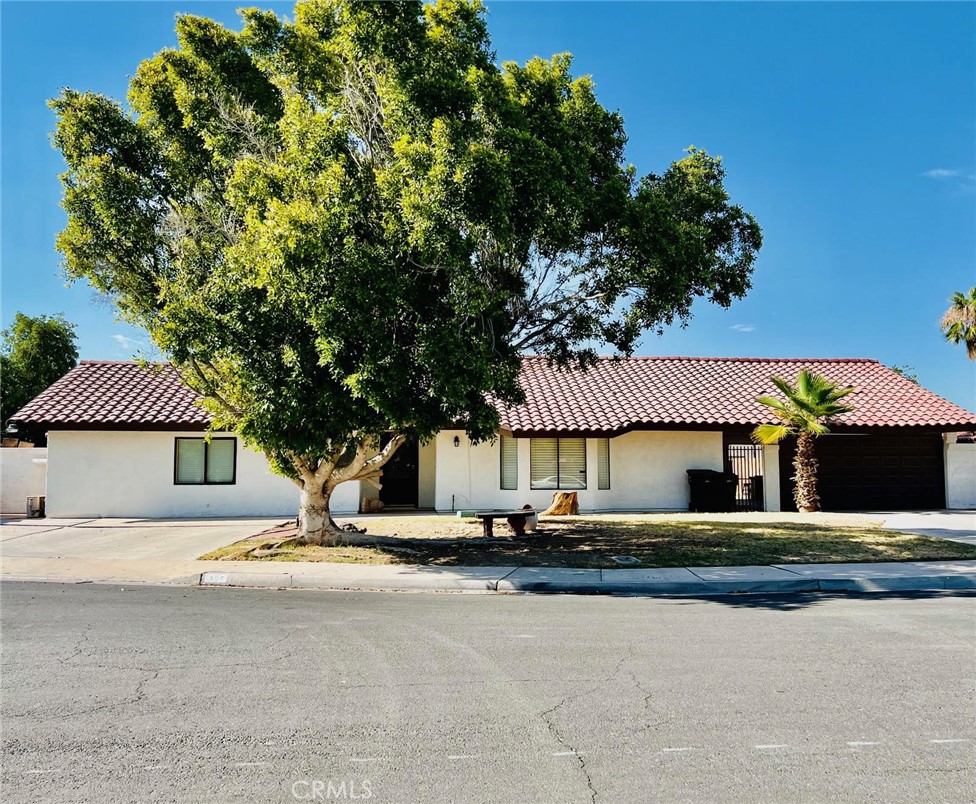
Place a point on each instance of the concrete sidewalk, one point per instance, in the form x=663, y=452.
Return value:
x=678, y=581
x=165, y=551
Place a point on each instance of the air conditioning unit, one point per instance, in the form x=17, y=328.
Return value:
x=35, y=507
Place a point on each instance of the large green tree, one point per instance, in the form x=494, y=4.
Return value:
x=959, y=321
x=36, y=351
x=354, y=222
x=806, y=407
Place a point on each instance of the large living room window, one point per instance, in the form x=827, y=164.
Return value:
x=199, y=462
x=558, y=463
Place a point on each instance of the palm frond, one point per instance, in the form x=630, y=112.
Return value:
x=958, y=323
x=805, y=384
x=835, y=409
x=840, y=393
x=771, y=402
x=770, y=433
x=788, y=391
x=811, y=401
x=817, y=428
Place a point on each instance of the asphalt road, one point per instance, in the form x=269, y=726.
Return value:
x=189, y=694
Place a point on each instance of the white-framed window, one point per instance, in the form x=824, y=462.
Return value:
x=200, y=462
x=508, y=476
x=558, y=463
x=603, y=463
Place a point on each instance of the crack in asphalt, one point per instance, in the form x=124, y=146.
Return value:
x=548, y=718
x=550, y=724
x=651, y=710
x=139, y=694
x=77, y=651
x=152, y=673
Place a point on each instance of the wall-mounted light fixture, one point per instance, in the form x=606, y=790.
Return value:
x=457, y=441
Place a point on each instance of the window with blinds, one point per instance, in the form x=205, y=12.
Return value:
x=509, y=463
x=220, y=460
x=201, y=463
x=190, y=460
x=558, y=463
x=603, y=463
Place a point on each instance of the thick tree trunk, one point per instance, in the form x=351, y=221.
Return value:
x=317, y=482
x=805, y=474
x=315, y=523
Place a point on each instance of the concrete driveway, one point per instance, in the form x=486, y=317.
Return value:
x=960, y=526
x=123, y=539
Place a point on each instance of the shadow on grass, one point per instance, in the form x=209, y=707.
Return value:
x=589, y=544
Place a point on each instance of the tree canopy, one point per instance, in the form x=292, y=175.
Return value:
x=36, y=351
x=354, y=222
x=908, y=372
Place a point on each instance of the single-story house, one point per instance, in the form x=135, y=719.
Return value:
x=127, y=441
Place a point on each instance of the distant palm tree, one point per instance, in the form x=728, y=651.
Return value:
x=959, y=321
x=808, y=404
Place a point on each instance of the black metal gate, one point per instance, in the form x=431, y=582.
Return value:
x=746, y=461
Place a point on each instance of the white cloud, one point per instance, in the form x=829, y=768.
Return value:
x=126, y=343
x=941, y=173
x=964, y=181
x=743, y=327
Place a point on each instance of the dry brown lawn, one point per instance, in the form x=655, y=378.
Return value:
x=655, y=540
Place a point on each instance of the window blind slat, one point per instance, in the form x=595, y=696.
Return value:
x=572, y=463
x=603, y=463
x=545, y=466
x=509, y=463
x=189, y=460
x=220, y=461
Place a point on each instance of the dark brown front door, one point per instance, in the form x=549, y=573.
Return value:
x=400, y=481
x=873, y=472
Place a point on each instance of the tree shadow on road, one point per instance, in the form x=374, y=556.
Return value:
x=806, y=600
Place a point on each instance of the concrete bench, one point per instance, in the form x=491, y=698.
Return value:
x=516, y=519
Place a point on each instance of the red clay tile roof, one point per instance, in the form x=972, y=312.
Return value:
x=711, y=393
x=611, y=398
x=113, y=395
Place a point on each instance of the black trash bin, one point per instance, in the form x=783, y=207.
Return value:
x=757, y=493
x=711, y=491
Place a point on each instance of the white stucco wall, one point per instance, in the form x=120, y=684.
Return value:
x=427, y=474
x=771, y=487
x=960, y=470
x=647, y=472
x=130, y=474
x=22, y=475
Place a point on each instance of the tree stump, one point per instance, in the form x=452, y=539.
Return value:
x=564, y=503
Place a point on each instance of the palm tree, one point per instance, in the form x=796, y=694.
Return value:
x=959, y=321
x=809, y=403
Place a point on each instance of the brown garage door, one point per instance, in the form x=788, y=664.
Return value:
x=884, y=472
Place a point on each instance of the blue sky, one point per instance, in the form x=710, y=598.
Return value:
x=847, y=129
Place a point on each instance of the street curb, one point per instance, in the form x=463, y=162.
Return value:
x=287, y=581
x=589, y=587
